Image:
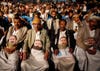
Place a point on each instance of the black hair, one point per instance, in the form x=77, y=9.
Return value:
x=63, y=21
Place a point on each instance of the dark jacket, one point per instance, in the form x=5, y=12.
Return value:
x=69, y=36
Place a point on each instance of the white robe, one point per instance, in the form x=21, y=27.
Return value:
x=81, y=57
x=94, y=61
x=35, y=62
x=8, y=62
x=64, y=61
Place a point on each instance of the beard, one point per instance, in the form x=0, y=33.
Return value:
x=61, y=46
x=37, y=47
x=18, y=26
x=93, y=27
x=11, y=44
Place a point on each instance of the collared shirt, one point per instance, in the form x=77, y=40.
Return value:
x=37, y=36
x=92, y=33
x=62, y=33
x=75, y=26
x=15, y=32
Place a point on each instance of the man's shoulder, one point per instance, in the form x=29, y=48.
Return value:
x=30, y=31
x=44, y=30
x=11, y=27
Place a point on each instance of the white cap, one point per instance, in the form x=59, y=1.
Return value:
x=94, y=17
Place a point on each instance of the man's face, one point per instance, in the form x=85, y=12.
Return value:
x=42, y=10
x=12, y=40
x=38, y=43
x=37, y=26
x=62, y=25
x=92, y=24
x=23, y=8
x=53, y=14
x=70, y=14
x=17, y=23
x=31, y=10
x=63, y=41
x=76, y=19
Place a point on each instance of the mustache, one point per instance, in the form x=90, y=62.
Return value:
x=93, y=26
x=37, y=47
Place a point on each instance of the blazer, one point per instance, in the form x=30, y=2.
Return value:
x=30, y=38
x=70, y=37
x=21, y=34
x=84, y=34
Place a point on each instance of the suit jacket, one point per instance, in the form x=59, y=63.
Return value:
x=21, y=34
x=30, y=38
x=84, y=34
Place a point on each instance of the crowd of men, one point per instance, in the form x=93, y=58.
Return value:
x=63, y=36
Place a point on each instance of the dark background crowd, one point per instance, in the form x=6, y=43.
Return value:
x=75, y=20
